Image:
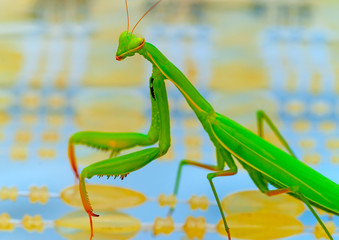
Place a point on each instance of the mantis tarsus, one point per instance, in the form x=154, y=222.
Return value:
x=265, y=163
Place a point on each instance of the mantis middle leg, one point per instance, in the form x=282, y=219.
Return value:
x=222, y=157
x=294, y=190
x=261, y=117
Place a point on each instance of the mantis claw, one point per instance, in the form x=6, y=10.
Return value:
x=85, y=201
x=90, y=215
x=93, y=214
x=118, y=167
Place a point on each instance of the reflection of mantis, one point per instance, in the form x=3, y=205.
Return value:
x=264, y=162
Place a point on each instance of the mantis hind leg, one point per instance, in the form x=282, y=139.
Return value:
x=261, y=117
x=297, y=193
x=262, y=184
x=263, y=187
x=258, y=179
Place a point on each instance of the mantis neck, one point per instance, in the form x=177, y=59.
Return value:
x=197, y=102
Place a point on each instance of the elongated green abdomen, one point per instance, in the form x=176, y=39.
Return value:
x=276, y=164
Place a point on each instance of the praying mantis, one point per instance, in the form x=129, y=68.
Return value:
x=265, y=163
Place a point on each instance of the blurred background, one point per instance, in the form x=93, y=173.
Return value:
x=58, y=75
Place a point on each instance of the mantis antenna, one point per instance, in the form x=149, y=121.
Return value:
x=145, y=14
x=127, y=16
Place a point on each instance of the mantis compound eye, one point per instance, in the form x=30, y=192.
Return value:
x=135, y=43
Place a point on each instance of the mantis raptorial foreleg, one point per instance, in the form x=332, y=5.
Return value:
x=123, y=165
x=118, y=167
x=116, y=142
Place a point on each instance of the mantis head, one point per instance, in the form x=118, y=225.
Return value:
x=130, y=43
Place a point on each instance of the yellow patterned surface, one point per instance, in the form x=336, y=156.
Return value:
x=11, y=61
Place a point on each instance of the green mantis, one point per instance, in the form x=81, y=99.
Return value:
x=265, y=163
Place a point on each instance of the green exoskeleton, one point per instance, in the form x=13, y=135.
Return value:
x=265, y=163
